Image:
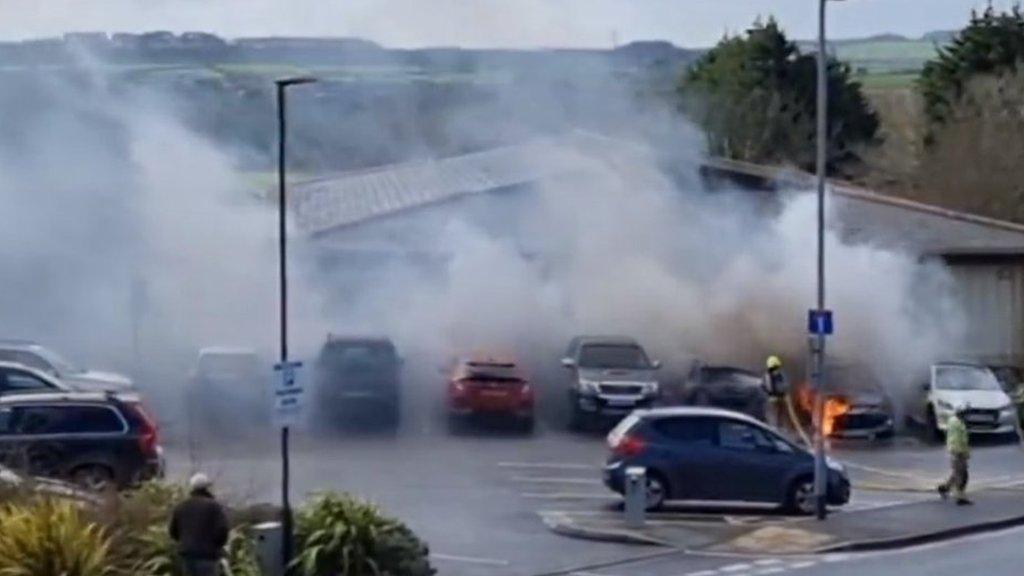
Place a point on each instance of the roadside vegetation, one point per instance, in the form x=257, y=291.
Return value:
x=126, y=535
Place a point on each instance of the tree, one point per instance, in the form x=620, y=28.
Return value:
x=991, y=44
x=755, y=97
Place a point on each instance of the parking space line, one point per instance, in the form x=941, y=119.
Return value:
x=702, y=573
x=548, y=465
x=469, y=559
x=569, y=496
x=550, y=480
x=735, y=568
x=768, y=561
x=802, y=565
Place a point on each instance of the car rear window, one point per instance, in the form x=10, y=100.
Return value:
x=58, y=419
x=500, y=371
x=358, y=357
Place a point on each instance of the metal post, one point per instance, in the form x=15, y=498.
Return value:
x=820, y=469
x=286, y=509
x=635, y=496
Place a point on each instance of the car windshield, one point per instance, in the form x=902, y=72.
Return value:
x=505, y=372
x=228, y=365
x=57, y=361
x=371, y=358
x=623, y=356
x=965, y=378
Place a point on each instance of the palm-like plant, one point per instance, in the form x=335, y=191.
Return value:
x=46, y=537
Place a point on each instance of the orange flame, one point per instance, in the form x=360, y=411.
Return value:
x=834, y=407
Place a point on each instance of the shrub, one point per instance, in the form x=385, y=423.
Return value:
x=47, y=537
x=338, y=535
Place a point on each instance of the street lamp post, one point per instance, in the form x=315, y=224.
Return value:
x=818, y=342
x=286, y=509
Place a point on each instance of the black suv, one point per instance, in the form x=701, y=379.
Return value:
x=357, y=379
x=95, y=440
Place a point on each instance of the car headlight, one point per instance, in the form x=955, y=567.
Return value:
x=589, y=387
x=652, y=388
x=835, y=465
x=943, y=405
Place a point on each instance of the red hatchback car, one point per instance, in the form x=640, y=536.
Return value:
x=485, y=388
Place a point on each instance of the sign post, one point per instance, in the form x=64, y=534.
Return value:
x=819, y=325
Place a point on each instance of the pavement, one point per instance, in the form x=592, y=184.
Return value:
x=872, y=528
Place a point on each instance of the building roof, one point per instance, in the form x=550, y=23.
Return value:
x=862, y=216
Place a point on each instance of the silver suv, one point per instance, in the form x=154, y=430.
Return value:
x=610, y=376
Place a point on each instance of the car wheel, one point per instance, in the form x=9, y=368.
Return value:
x=93, y=477
x=657, y=491
x=456, y=425
x=801, y=498
x=526, y=425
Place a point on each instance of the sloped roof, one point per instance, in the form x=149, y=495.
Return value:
x=327, y=204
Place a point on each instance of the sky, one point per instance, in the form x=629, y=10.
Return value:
x=482, y=23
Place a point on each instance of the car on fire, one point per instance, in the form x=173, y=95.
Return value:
x=358, y=381
x=704, y=454
x=482, y=388
x=609, y=377
x=990, y=410
x=39, y=357
x=726, y=387
x=856, y=404
x=229, y=389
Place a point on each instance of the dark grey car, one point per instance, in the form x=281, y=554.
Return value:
x=727, y=387
x=609, y=377
x=357, y=381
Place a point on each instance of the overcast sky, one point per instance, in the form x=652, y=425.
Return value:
x=504, y=23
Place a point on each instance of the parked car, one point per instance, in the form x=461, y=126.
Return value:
x=39, y=357
x=20, y=379
x=95, y=440
x=608, y=378
x=857, y=404
x=727, y=387
x=358, y=378
x=951, y=384
x=710, y=454
x=482, y=387
x=1011, y=378
x=229, y=389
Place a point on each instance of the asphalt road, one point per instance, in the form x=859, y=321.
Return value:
x=477, y=497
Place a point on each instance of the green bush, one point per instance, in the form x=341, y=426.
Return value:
x=47, y=537
x=338, y=535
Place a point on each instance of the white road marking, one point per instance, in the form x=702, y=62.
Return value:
x=735, y=568
x=569, y=496
x=549, y=465
x=702, y=573
x=587, y=574
x=768, y=561
x=555, y=480
x=802, y=565
x=469, y=559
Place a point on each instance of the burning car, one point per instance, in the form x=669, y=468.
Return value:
x=482, y=387
x=856, y=403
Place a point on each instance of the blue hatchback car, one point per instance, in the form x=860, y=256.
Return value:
x=708, y=454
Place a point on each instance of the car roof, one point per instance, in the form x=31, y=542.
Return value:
x=31, y=370
x=736, y=369
x=624, y=340
x=674, y=411
x=342, y=339
x=65, y=396
x=961, y=363
x=227, y=351
x=484, y=358
x=19, y=345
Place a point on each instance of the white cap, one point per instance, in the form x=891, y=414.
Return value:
x=199, y=481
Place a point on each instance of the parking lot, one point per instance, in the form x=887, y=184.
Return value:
x=481, y=498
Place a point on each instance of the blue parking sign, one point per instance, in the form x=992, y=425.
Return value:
x=819, y=322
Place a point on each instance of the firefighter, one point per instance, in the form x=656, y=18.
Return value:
x=959, y=447
x=776, y=386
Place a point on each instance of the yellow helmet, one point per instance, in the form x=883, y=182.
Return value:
x=773, y=363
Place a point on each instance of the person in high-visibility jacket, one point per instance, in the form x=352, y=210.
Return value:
x=958, y=444
x=776, y=386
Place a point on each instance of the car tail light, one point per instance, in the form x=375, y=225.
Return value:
x=457, y=388
x=148, y=435
x=629, y=446
x=526, y=391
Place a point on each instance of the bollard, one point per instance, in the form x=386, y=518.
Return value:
x=268, y=548
x=636, y=496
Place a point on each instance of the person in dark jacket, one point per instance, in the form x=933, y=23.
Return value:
x=199, y=525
